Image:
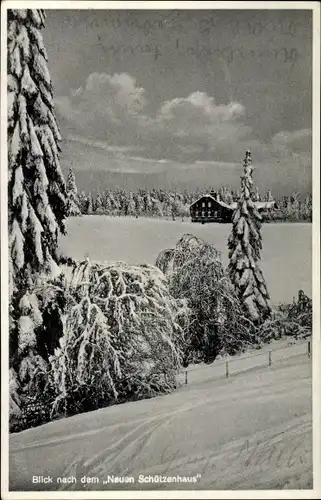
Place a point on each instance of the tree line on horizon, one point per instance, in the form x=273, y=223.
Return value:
x=174, y=203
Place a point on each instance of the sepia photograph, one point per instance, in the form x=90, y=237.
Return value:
x=160, y=275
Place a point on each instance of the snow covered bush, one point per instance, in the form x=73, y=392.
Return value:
x=39, y=327
x=294, y=320
x=121, y=339
x=98, y=334
x=245, y=244
x=216, y=324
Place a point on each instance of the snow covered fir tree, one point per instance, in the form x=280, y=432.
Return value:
x=36, y=187
x=245, y=244
x=37, y=194
x=72, y=195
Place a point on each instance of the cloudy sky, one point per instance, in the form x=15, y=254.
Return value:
x=176, y=97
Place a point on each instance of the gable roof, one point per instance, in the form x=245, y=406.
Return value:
x=220, y=202
x=203, y=196
x=259, y=204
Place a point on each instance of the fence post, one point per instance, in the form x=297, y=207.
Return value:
x=186, y=377
x=226, y=368
x=309, y=348
x=270, y=357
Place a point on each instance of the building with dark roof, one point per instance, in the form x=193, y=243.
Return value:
x=210, y=208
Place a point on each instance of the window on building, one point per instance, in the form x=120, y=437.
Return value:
x=209, y=204
x=203, y=213
x=196, y=213
x=215, y=214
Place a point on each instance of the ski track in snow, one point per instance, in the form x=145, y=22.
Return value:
x=251, y=431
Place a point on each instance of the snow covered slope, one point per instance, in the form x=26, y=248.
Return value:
x=252, y=430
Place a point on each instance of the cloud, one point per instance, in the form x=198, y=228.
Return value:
x=104, y=107
x=112, y=112
x=100, y=144
x=112, y=109
x=119, y=92
x=295, y=142
x=203, y=107
x=200, y=126
x=194, y=128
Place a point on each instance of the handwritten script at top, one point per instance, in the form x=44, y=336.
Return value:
x=180, y=21
x=177, y=24
x=228, y=53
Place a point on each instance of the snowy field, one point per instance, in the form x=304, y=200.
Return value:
x=286, y=256
x=252, y=430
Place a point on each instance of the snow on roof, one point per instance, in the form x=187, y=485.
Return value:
x=220, y=202
x=204, y=196
x=264, y=204
x=232, y=206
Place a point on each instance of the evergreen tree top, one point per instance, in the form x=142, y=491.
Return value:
x=246, y=179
